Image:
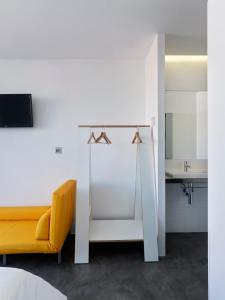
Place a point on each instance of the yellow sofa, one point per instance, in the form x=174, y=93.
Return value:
x=38, y=229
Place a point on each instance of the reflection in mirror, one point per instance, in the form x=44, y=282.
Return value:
x=181, y=141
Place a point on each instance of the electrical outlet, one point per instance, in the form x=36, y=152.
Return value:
x=58, y=150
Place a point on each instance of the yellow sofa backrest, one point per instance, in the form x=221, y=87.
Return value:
x=20, y=213
x=62, y=213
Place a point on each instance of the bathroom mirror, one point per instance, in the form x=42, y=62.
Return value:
x=185, y=137
x=186, y=125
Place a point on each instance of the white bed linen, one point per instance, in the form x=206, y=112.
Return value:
x=17, y=284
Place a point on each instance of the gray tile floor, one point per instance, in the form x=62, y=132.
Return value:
x=117, y=271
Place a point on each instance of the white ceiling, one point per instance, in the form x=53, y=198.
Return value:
x=98, y=28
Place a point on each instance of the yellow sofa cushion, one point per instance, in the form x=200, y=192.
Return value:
x=22, y=213
x=43, y=224
x=19, y=237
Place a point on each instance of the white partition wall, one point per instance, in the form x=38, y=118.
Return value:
x=216, y=148
x=82, y=203
x=149, y=211
x=155, y=112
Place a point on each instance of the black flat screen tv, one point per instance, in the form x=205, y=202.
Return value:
x=16, y=110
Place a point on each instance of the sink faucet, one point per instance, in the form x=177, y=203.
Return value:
x=186, y=166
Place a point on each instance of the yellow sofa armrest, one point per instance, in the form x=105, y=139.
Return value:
x=22, y=213
x=43, y=225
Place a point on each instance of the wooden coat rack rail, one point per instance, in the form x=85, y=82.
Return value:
x=114, y=126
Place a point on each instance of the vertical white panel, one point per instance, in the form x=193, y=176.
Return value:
x=161, y=147
x=82, y=205
x=150, y=229
x=216, y=148
x=155, y=110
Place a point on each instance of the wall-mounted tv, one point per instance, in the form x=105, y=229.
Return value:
x=16, y=110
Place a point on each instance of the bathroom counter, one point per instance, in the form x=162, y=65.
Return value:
x=186, y=180
x=192, y=176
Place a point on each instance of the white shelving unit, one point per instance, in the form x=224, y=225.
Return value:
x=115, y=230
x=142, y=228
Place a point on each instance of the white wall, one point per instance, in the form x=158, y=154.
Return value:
x=155, y=110
x=65, y=94
x=183, y=217
x=180, y=101
x=187, y=77
x=216, y=148
x=113, y=175
x=187, y=45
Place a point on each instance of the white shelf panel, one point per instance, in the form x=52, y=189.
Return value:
x=115, y=230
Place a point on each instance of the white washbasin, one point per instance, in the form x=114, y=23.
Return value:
x=194, y=173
